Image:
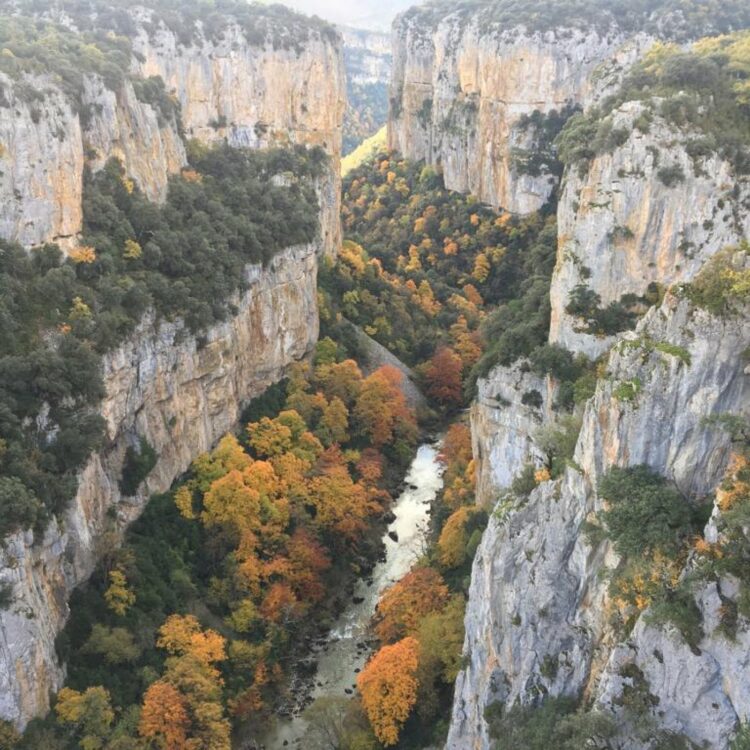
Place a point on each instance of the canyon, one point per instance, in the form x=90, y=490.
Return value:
x=651, y=209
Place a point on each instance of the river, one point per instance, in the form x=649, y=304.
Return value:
x=344, y=654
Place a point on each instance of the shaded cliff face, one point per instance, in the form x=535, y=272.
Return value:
x=537, y=597
x=250, y=93
x=181, y=394
x=367, y=59
x=624, y=224
x=502, y=428
x=460, y=96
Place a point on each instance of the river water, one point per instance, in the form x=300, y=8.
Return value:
x=343, y=654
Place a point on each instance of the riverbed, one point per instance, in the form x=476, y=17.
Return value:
x=345, y=650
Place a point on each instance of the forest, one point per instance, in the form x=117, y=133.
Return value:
x=446, y=283
x=185, y=633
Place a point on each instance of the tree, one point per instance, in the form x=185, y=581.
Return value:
x=118, y=596
x=9, y=737
x=442, y=376
x=644, y=513
x=183, y=499
x=116, y=645
x=334, y=423
x=19, y=506
x=164, y=717
x=191, y=672
x=381, y=409
x=340, y=504
x=182, y=634
x=388, y=685
x=90, y=712
x=454, y=538
x=269, y=437
x=403, y=605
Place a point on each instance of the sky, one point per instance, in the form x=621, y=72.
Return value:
x=364, y=14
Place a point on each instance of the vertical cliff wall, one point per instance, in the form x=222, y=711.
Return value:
x=462, y=93
x=644, y=212
x=537, y=596
x=182, y=394
x=45, y=145
x=253, y=92
x=649, y=201
x=273, y=94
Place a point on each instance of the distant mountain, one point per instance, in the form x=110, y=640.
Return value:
x=363, y=14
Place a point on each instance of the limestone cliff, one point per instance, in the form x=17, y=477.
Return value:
x=537, y=597
x=462, y=93
x=254, y=95
x=182, y=394
x=644, y=212
x=46, y=145
x=250, y=92
x=273, y=84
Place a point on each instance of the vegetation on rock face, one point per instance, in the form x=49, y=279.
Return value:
x=703, y=90
x=676, y=19
x=183, y=259
x=555, y=722
x=651, y=525
x=723, y=285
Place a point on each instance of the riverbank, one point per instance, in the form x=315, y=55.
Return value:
x=341, y=656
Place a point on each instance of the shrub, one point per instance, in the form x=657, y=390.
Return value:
x=137, y=466
x=645, y=514
x=525, y=482
x=558, y=441
x=723, y=284
x=677, y=606
x=19, y=506
x=671, y=175
x=741, y=739
x=553, y=723
x=532, y=398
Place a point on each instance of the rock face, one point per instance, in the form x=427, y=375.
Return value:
x=255, y=96
x=179, y=392
x=460, y=93
x=644, y=212
x=536, y=618
x=510, y=406
x=45, y=146
x=367, y=60
x=247, y=92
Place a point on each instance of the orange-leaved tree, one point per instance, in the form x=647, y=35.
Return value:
x=388, y=685
x=442, y=375
x=403, y=605
x=164, y=716
x=382, y=411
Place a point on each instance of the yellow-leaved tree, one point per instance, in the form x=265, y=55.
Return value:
x=388, y=685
